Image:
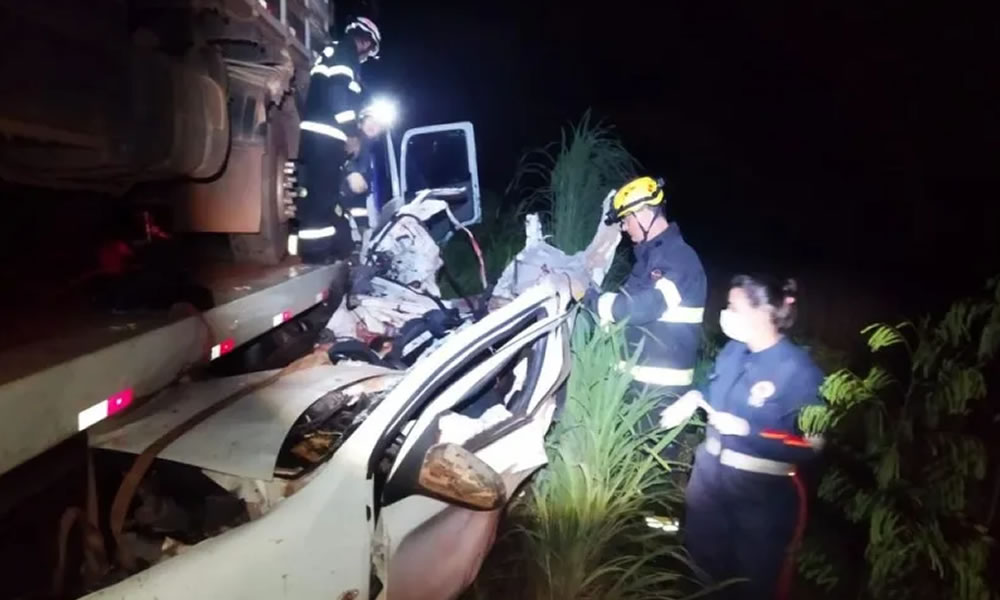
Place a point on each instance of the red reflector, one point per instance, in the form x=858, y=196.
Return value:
x=224, y=347
x=771, y=434
x=286, y=315
x=797, y=442
x=119, y=401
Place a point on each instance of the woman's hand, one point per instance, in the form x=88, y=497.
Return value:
x=681, y=410
x=729, y=424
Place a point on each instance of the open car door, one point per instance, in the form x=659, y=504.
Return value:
x=467, y=451
x=443, y=158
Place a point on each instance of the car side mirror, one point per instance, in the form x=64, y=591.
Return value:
x=452, y=474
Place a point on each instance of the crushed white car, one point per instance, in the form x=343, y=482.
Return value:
x=357, y=480
x=406, y=501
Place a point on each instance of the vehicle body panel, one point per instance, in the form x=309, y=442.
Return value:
x=323, y=541
x=243, y=439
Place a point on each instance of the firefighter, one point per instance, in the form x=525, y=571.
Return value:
x=745, y=502
x=663, y=300
x=357, y=171
x=330, y=120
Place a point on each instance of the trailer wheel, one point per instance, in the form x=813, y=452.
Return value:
x=269, y=245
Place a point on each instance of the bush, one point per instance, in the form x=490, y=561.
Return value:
x=908, y=473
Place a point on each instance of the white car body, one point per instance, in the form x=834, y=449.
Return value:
x=352, y=520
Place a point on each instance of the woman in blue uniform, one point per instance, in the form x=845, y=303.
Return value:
x=745, y=503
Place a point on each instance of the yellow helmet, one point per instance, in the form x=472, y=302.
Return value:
x=635, y=195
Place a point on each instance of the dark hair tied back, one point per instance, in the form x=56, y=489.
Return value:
x=781, y=296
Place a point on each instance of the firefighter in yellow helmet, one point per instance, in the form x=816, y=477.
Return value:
x=663, y=299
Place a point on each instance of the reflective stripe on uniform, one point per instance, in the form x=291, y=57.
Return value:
x=328, y=52
x=345, y=116
x=676, y=313
x=359, y=212
x=671, y=295
x=683, y=314
x=354, y=86
x=323, y=129
x=661, y=375
x=355, y=230
x=746, y=462
x=605, y=303
x=333, y=71
x=713, y=445
x=316, y=234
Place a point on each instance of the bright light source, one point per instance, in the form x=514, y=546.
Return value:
x=664, y=524
x=384, y=111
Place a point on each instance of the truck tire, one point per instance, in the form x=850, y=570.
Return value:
x=269, y=245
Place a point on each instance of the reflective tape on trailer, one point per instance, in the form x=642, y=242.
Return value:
x=281, y=318
x=322, y=296
x=222, y=348
x=104, y=409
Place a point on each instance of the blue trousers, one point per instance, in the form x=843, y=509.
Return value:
x=739, y=525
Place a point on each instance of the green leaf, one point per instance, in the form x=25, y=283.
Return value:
x=882, y=336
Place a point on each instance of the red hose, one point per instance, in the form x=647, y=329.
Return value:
x=479, y=256
x=788, y=569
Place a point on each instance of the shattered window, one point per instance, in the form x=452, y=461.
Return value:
x=437, y=160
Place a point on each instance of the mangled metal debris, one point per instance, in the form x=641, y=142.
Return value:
x=398, y=282
x=539, y=260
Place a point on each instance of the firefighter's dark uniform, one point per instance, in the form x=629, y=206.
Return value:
x=356, y=205
x=663, y=301
x=744, y=500
x=331, y=115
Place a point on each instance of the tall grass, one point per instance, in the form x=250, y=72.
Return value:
x=568, y=181
x=579, y=532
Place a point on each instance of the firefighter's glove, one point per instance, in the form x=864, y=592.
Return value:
x=729, y=424
x=681, y=410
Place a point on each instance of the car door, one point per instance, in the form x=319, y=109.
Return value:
x=442, y=158
x=431, y=548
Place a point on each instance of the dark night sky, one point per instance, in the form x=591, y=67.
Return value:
x=847, y=134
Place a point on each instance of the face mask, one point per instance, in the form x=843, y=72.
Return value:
x=734, y=325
